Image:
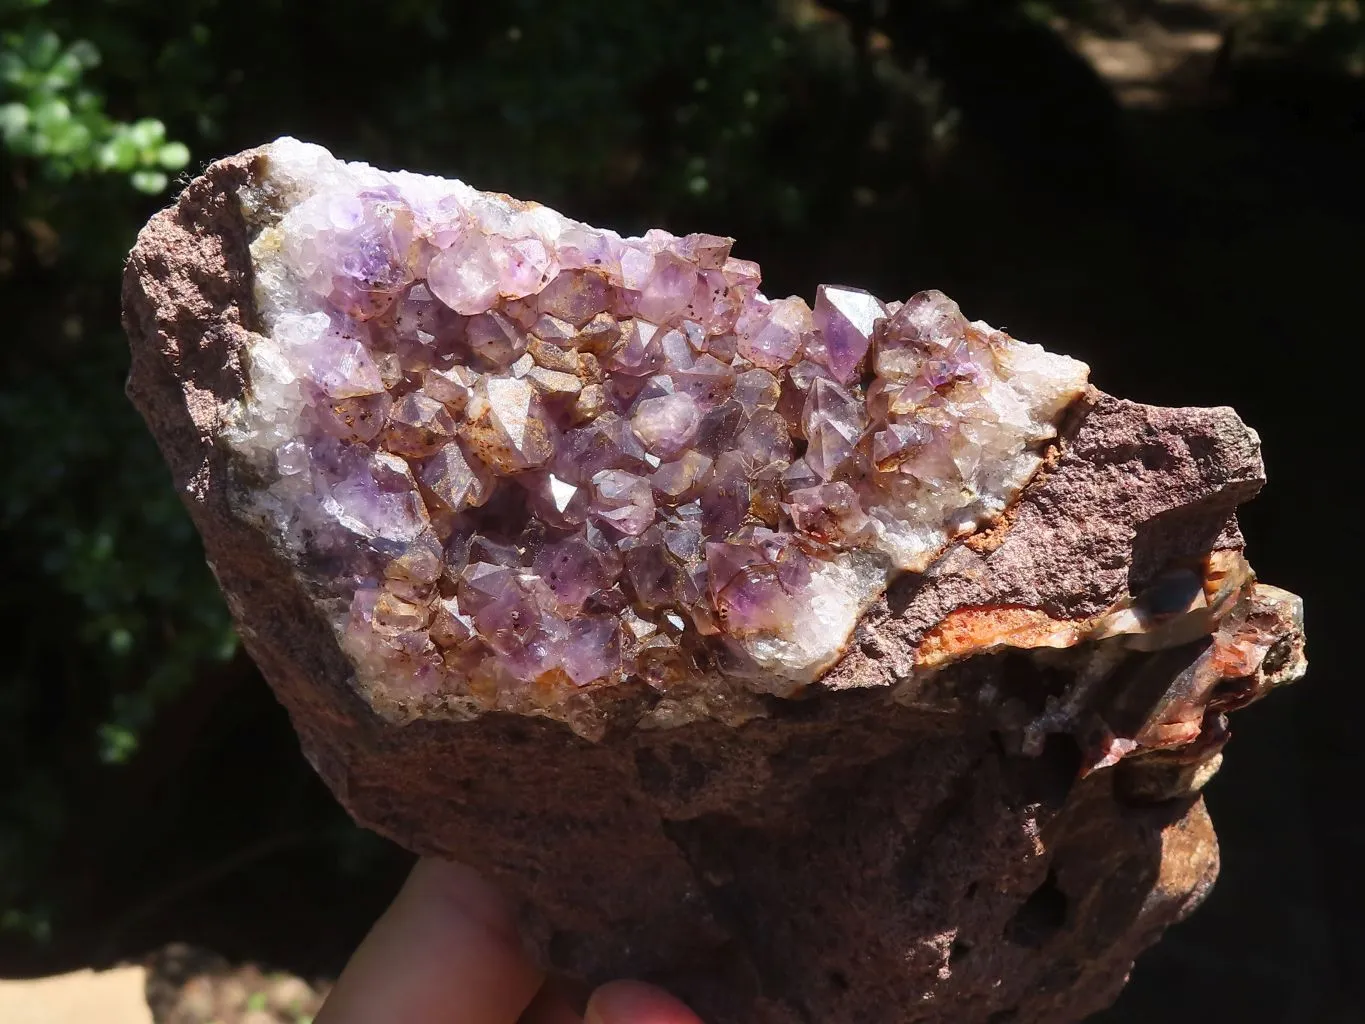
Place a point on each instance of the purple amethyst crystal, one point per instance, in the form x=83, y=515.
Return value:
x=846, y=319
x=533, y=455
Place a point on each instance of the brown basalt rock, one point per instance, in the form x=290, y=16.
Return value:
x=982, y=813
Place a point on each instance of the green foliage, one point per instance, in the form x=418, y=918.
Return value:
x=50, y=115
x=116, y=613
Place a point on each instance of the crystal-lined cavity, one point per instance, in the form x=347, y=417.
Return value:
x=523, y=456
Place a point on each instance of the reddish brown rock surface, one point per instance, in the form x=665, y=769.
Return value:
x=936, y=831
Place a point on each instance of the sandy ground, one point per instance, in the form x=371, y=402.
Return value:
x=116, y=996
x=178, y=985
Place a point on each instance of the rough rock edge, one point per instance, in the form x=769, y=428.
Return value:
x=839, y=858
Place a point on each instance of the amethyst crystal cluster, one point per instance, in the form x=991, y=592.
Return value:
x=520, y=457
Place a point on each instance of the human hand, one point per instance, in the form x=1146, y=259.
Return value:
x=447, y=952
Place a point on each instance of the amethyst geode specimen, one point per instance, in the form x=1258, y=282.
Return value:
x=845, y=661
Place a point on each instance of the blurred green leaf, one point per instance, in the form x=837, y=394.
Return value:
x=117, y=743
x=119, y=154
x=150, y=182
x=14, y=119
x=147, y=133
x=173, y=155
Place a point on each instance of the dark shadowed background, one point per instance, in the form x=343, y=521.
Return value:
x=1172, y=191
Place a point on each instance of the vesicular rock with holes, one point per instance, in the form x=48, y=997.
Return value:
x=836, y=661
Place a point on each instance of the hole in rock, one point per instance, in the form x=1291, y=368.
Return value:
x=837, y=981
x=1232, y=693
x=504, y=518
x=1142, y=684
x=960, y=950
x=1058, y=767
x=1042, y=916
x=902, y=590
x=1024, y=678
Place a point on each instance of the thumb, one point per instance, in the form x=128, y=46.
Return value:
x=633, y=1002
x=446, y=952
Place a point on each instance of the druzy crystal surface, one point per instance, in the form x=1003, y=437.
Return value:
x=520, y=457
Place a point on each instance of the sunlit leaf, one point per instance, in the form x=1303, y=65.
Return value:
x=150, y=182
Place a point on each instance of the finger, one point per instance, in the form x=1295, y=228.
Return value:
x=446, y=952
x=633, y=1002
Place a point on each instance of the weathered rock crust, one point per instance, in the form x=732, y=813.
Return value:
x=839, y=857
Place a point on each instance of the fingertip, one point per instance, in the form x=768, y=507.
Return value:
x=634, y=1002
x=447, y=951
x=464, y=893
